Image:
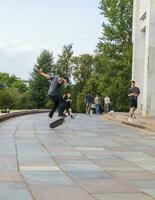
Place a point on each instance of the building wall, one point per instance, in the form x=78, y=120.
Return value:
x=143, y=71
x=150, y=104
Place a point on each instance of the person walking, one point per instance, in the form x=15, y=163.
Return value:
x=97, y=101
x=133, y=94
x=106, y=104
x=54, y=92
x=88, y=100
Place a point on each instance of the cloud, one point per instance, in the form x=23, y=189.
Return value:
x=3, y=45
x=18, y=57
x=17, y=47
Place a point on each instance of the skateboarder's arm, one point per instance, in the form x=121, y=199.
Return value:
x=44, y=74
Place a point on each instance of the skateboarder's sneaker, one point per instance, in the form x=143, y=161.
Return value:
x=57, y=123
x=50, y=115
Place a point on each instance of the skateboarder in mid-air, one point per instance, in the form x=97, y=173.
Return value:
x=54, y=92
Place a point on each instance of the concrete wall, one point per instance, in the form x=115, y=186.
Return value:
x=143, y=71
x=149, y=100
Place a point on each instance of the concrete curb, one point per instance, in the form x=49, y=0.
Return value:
x=137, y=123
x=21, y=113
x=134, y=125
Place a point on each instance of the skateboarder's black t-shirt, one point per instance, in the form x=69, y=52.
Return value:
x=54, y=88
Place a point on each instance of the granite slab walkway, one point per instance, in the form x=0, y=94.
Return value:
x=84, y=159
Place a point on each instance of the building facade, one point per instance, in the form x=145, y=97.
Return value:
x=143, y=70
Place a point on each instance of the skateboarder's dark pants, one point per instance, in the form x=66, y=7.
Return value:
x=57, y=101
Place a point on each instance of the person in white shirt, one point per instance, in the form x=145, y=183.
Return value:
x=106, y=104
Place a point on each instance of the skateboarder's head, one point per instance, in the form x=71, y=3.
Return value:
x=65, y=79
x=60, y=81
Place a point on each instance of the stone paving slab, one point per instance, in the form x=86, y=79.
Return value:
x=150, y=192
x=14, y=194
x=133, y=175
x=79, y=166
x=47, y=178
x=10, y=176
x=14, y=191
x=60, y=193
x=143, y=184
x=84, y=159
x=84, y=174
x=122, y=196
x=107, y=186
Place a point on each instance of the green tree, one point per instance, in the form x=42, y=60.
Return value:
x=20, y=86
x=8, y=81
x=8, y=98
x=38, y=84
x=116, y=39
x=83, y=68
x=114, y=59
x=12, y=90
x=64, y=62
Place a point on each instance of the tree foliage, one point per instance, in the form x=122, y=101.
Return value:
x=83, y=67
x=115, y=50
x=12, y=90
x=64, y=62
x=108, y=72
x=38, y=84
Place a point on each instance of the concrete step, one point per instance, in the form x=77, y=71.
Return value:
x=147, y=123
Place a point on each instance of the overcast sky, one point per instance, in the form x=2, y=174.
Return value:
x=29, y=26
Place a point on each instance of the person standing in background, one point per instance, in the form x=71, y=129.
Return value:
x=88, y=100
x=106, y=104
x=97, y=101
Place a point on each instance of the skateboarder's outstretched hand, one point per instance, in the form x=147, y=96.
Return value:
x=40, y=71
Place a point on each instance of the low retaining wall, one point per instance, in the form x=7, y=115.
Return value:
x=21, y=113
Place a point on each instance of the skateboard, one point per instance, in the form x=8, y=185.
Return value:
x=57, y=122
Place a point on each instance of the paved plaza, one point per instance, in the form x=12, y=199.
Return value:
x=84, y=159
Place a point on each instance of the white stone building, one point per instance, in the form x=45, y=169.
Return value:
x=143, y=71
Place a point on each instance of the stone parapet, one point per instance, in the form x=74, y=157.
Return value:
x=7, y=116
